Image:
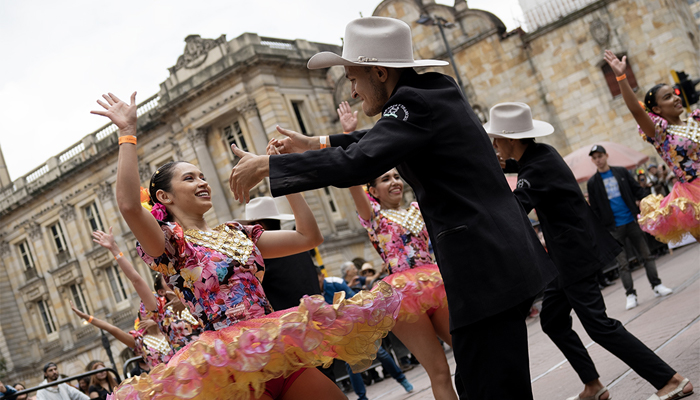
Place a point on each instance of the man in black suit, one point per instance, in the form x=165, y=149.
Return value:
x=614, y=197
x=430, y=132
x=579, y=246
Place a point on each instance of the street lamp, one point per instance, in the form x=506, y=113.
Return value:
x=426, y=19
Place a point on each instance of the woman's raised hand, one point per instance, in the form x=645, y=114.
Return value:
x=618, y=66
x=348, y=118
x=78, y=312
x=122, y=115
x=105, y=240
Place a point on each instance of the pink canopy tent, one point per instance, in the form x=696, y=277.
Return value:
x=619, y=156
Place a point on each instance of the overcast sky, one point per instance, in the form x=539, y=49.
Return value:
x=59, y=56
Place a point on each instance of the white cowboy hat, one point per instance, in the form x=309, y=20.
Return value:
x=263, y=208
x=385, y=42
x=514, y=121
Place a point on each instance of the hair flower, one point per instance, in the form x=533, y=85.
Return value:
x=159, y=212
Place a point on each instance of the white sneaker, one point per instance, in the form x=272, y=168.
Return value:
x=631, y=301
x=661, y=290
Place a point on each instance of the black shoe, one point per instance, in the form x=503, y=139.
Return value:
x=606, y=282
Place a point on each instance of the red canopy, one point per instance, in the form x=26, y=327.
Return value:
x=618, y=155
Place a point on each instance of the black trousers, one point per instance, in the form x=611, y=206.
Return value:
x=585, y=299
x=492, y=356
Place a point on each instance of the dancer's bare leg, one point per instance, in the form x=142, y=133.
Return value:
x=312, y=384
x=421, y=339
x=441, y=323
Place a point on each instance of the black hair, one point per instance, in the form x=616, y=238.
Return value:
x=269, y=224
x=527, y=141
x=158, y=282
x=650, y=97
x=319, y=271
x=162, y=180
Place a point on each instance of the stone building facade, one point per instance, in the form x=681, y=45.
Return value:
x=221, y=92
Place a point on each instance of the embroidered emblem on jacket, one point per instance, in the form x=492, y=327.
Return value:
x=397, y=111
x=523, y=183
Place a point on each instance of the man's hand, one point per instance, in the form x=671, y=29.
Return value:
x=348, y=119
x=78, y=312
x=295, y=142
x=122, y=115
x=249, y=171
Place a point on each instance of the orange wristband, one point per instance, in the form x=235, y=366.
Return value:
x=621, y=77
x=347, y=132
x=127, y=139
x=118, y=256
x=90, y=319
x=324, y=141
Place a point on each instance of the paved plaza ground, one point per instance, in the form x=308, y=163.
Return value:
x=667, y=325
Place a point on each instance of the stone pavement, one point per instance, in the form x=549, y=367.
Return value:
x=667, y=325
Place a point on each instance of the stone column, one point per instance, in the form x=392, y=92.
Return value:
x=249, y=110
x=198, y=138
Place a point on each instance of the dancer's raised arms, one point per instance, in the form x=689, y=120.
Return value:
x=140, y=221
x=619, y=67
x=106, y=240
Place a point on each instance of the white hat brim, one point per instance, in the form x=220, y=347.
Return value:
x=540, y=128
x=327, y=59
x=280, y=217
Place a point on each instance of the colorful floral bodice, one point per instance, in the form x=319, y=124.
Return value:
x=678, y=146
x=219, y=289
x=399, y=236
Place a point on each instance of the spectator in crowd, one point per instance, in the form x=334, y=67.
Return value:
x=287, y=279
x=6, y=390
x=329, y=288
x=657, y=178
x=614, y=197
x=19, y=387
x=369, y=273
x=644, y=183
x=62, y=391
x=101, y=384
x=350, y=275
x=84, y=385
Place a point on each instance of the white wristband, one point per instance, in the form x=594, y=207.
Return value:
x=323, y=140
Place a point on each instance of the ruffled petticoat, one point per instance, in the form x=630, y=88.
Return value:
x=233, y=362
x=669, y=218
x=421, y=290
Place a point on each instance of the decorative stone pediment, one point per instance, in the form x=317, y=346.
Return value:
x=34, y=290
x=196, y=50
x=67, y=274
x=99, y=257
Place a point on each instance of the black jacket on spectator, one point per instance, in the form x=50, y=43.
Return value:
x=288, y=279
x=630, y=190
x=576, y=241
x=487, y=251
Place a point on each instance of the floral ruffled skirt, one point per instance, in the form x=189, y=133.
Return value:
x=421, y=290
x=235, y=361
x=669, y=218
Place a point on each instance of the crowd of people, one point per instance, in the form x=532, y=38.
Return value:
x=240, y=311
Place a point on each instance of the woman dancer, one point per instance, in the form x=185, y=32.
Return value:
x=101, y=384
x=401, y=239
x=246, y=352
x=678, y=143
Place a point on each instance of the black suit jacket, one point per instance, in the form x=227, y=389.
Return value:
x=488, y=253
x=578, y=244
x=630, y=190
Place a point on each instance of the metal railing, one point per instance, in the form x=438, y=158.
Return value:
x=552, y=10
x=64, y=380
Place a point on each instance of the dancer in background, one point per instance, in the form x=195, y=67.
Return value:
x=401, y=239
x=247, y=350
x=678, y=143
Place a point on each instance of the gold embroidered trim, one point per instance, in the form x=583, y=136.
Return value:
x=410, y=219
x=689, y=131
x=223, y=239
x=160, y=344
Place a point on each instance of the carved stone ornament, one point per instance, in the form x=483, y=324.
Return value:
x=600, y=32
x=67, y=212
x=248, y=107
x=104, y=192
x=198, y=136
x=34, y=230
x=196, y=50
x=4, y=249
x=144, y=173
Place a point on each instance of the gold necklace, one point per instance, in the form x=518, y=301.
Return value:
x=223, y=239
x=410, y=219
x=689, y=131
x=160, y=344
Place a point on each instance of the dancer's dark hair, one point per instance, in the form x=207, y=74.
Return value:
x=158, y=282
x=162, y=180
x=650, y=97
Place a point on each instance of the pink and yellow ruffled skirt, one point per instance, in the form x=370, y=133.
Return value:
x=421, y=290
x=235, y=361
x=669, y=218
